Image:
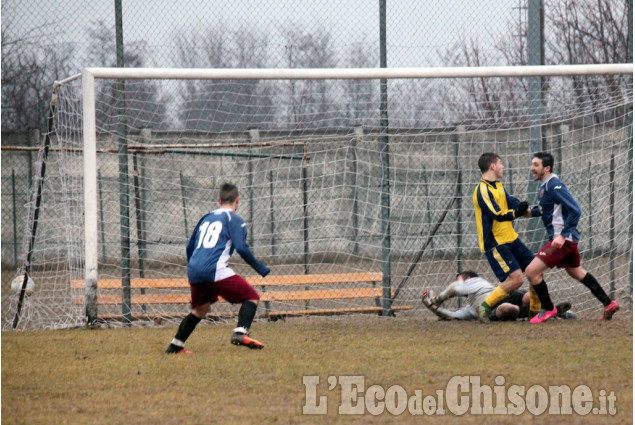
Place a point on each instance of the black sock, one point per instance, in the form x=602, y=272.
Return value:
x=543, y=295
x=246, y=314
x=186, y=327
x=524, y=311
x=590, y=282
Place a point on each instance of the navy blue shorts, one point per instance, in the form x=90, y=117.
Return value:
x=509, y=257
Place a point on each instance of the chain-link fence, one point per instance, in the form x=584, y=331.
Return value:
x=47, y=41
x=18, y=168
x=44, y=42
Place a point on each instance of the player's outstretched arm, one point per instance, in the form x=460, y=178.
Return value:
x=238, y=234
x=454, y=289
x=432, y=302
x=535, y=211
x=464, y=313
x=430, y=299
x=458, y=288
x=519, y=207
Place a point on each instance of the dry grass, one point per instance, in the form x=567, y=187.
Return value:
x=122, y=376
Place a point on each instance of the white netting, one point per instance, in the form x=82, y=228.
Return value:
x=307, y=158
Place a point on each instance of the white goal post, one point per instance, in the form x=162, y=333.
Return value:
x=354, y=73
x=90, y=74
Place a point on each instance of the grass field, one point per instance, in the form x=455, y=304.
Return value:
x=122, y=376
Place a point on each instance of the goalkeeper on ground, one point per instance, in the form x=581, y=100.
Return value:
x=476, y=289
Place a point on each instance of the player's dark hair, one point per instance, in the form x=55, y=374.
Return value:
x=228, y=193
x=468, y=274
x=487, y=159
x=546, y=158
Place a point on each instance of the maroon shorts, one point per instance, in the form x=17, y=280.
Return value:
x=234, y=289
x=567, y=257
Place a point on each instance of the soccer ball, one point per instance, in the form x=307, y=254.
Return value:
x=16, y=285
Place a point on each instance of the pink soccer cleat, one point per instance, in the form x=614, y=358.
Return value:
x=544, y=315
x=610, y=310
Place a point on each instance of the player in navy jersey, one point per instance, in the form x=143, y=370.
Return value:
x=560, y=214
x=212, y=243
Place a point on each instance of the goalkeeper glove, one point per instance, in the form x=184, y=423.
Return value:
x=522, y=209
x=430, y=300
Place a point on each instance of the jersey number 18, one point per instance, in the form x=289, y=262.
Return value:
x=209, y=234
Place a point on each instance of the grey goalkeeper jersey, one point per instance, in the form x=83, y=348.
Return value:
x=476, y=289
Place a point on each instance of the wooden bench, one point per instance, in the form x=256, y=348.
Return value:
x=297, y=288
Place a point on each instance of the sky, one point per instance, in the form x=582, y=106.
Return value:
x=416, y=29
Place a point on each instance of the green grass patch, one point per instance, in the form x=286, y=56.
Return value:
x=122, y=376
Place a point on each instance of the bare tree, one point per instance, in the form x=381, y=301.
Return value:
x=145, y=106
x=589, y=31
x=253, y=105
x=30, y=66
x=482, y=101
x=577, y=32
x=310, y=102
x=224, y=105
x=361, y=97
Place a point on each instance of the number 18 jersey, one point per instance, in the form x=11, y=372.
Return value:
x=213, y=242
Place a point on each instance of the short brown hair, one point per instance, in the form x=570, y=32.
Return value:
x=228, y=193
x=487, y=159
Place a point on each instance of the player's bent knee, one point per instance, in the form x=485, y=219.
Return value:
x=526, y=298
x=577, y=273
x=533, y=275
x=535, y=271
x=252, y=296
x=201, y=310
x=515, y=281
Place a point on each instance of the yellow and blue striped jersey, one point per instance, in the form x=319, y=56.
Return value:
x=494, y=210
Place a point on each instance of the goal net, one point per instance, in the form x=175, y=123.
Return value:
x=339, y=172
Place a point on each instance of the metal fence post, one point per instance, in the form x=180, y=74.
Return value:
x=535, y=56
x=124, y=197
x=385, y=165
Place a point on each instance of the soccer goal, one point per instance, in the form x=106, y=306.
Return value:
x=365, y=173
